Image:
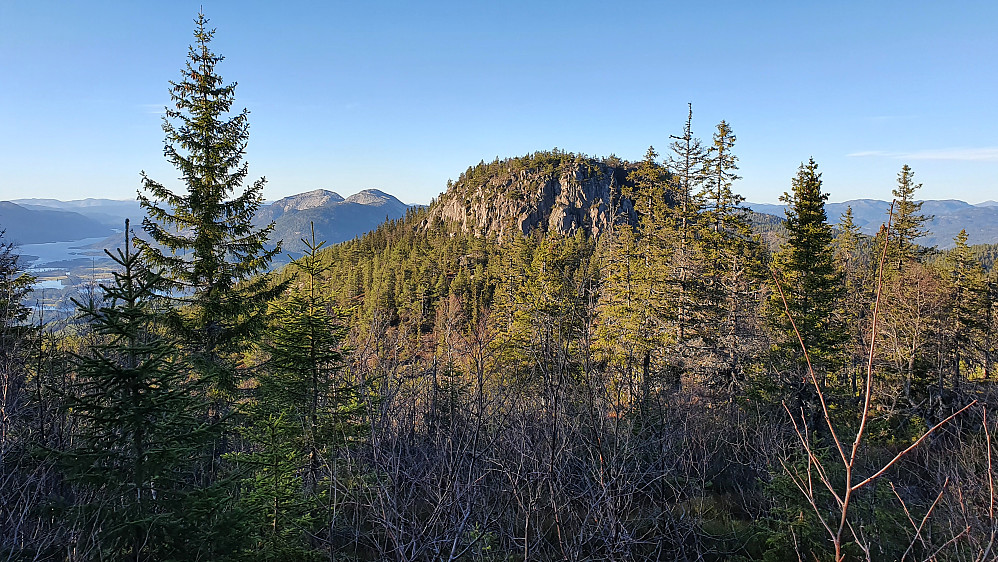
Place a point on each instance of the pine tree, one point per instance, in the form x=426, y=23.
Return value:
x=967, y=287
x=686, y=254
x=623, y=339
x=909, y=223
x=649, y=268
x=140, y=433
x=204, y=240
x=301, y=415
x=17, y=470
x=686, y=164
x=734, y=257
x=853, y=263
x=720, y=165
x=807, y=274
x=15, y=285
x=305, y=340
x=648, y=191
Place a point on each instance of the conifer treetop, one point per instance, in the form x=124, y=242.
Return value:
x=209, y=238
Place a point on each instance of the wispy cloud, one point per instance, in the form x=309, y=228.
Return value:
x=153, y=108
x=982, y=154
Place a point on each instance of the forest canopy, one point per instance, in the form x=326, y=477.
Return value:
x=664, y=376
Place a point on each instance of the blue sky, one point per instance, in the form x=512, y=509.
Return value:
x=401, y=96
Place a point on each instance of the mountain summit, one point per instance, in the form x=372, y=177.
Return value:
x=552, y=191
x=307, y=200
x=336, y=219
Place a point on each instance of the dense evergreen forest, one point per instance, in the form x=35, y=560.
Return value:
x=691, y=382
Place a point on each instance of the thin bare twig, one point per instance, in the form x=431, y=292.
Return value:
x=810, y=369
x=912, y=446
x=921, y=525
x=849, y=461
x=991, y=484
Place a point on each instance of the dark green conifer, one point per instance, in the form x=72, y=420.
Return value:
x=968, y=301
x=140, y=434
x=852, y=258
x=303, y=413
x=16, y=339
x=720, y=165
x=204, y=239
x=733, y=258
x=806, y=271
x=908, y=221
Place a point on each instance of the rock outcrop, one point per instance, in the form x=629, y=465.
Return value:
x=303, y=201
x=334, y=218
x=551, y=191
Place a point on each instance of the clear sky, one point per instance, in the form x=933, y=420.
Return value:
x=401, y=96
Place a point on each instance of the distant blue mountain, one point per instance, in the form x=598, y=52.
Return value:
x=33, y=221
x=949, y=217
x=110, y=212
x=23, y=225
x=336, y=219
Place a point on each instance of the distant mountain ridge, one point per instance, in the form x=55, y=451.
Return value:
x=37, y=221
x=336, y=219
x=305, y=201
x=24, y=225
x=949, y=217
x=109, y=212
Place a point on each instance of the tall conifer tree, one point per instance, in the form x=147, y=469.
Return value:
x=655, y=305
x=968, y=289
x=205, y=239
x=720, y=165
x=909, y=222
x=734, y=256
x=807, y=273
x=687, y=259
x=140, y=435
x=852, y=260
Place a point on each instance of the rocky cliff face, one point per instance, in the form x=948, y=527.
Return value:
x=307, y=200
x=552, y=191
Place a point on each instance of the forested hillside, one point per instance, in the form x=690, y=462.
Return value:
x=564, y=357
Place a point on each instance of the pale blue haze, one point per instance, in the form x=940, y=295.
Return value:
x=401, y=96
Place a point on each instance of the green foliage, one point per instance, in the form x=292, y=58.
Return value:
x=908, y=222
x=433, y=390
x=206, y=242
x=720, y=165
x=541, y=305
x=15, y=285
x=138, y=450
x=807, y=275
x=303, y=413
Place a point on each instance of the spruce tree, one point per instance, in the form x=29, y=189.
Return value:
x=204, y=239
x=15, y=285
x=303, y=413
x=807, y=273
x=720, y=165
x=967, y=286
x=908, y=221
x=16, y=466
x=693, y=312
x=734, y=257
x=305, y=343
x=852, y=261
x=140, y=435
x=622, y=338
x=656, y=305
